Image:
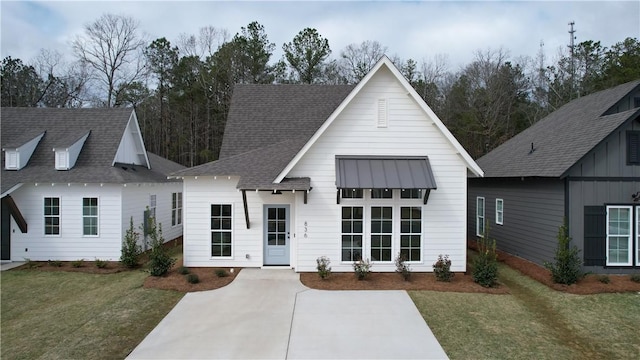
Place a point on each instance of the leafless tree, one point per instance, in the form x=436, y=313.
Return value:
x=359, y=59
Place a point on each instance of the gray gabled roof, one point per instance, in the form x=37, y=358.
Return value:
x=61, y=127
x=562, y=138
x=266, y=127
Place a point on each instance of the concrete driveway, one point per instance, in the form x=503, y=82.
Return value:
x=269, y=314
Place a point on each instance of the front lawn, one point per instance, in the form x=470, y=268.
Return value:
x=65, y=315
x=532, y=322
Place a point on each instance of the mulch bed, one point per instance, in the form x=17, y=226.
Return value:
x=88, y=267
x=174, y=280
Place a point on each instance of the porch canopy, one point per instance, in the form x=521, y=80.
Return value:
x=385, y=172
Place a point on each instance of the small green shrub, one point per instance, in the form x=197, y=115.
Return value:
x=442, y=268
x=193, y=278
x=31, y=264
x=101, y=264
x=362, y=268
x=221, y=273
x=566, y=267
x=604, y=279
x=130, y=249
x=56, y=263
x=402, y=267
x=485, y=265
x=635, y=278
x=324, y=268
x=183, y=270
x=77, y=263
x=160, y=262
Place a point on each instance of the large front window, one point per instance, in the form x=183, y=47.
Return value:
x=619, y=235
x=381, y=233
x=90, y=216
x=52, y=216
x=410, y=232
x=352, y=229
x=221, y=230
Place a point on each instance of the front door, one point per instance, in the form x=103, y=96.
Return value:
x=276, y=235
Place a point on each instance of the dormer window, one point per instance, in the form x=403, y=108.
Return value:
x=66, y=156
x=17, y=156
x=62, y=160
x=11, y=159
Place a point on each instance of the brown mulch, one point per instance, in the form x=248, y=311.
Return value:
x=209, y=280
x=88, y=267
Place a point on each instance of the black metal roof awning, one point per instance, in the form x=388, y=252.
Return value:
x=384, y=172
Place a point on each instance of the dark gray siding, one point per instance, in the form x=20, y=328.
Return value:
x=533, y=212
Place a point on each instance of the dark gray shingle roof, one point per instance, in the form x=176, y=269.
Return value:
x=561, y=139
x=266, y=127
x=94, y=165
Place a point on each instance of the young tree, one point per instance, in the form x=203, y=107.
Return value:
x=306, y=54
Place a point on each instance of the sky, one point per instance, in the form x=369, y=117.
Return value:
x=420, y=30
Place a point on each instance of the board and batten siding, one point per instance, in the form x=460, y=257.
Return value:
x=533, y=211
x=409, y=132
x=70, y=245
x=247, y=244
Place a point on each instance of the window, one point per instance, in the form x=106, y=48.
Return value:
x=499, y=211
x=351, y=193
x=352, y=228
x=411, y=194
x=221, y=220
x=90, y=216
x=410, y=232
x=619, y=236
x=381, y=194
x=176, y=209
x=480, y=216
x=633, y=147
x=638, y=235
x=152, y=206
x=52, y=216
x=381, y=233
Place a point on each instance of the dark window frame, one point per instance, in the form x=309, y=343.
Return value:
x=633, y=147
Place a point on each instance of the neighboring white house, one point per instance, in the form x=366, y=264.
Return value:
x=330, y=170
x=73, y=178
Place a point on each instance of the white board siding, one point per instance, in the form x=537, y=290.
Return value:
x=198, y=196
x=70, y=244
x=409, y=132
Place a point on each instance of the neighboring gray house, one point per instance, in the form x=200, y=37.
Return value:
x=580, y=163
x=73, y=178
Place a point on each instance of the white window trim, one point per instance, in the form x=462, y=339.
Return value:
x=44, y=223
x=97, y=216
x=177, y=209
x=500, y=213
x=395, y=237
x=400, y=206
x=364, y=228
x=153, y=204
x=629, y=237
x=637, y=235
x=478, y=216
x=233, y=216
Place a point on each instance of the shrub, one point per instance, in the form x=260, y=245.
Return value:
x=77, y=263
x=485, y=265
x=101, y=264
x=183, y=270
x=56, y=263
x=566, y=268
x=635, y=278
x=324, y=269
x=130, y=248
x=402, y=267
x=362, y=268
x=604, y=279
x=442, y=268
x=31, y=264
x=160, y=262
x=193, y=279
x=222, y=273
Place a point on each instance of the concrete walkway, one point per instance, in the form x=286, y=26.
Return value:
x=269, y=314
x=10, y=265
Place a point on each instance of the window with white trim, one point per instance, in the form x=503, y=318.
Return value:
x=176, y=209
x=381, y=193
x=90, y=216
x=52, y=216
x=152, y=206
x=499, y=211
x=221, y=230
x=351, y=193
x=619, y=235
x=411, y=194
x=480, y=216
x=638, y=235
x=410, y=232
x=352, y=232
x=381, y=233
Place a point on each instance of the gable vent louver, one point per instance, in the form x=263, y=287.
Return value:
x=382, y=113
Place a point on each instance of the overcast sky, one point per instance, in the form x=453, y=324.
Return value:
x=417, y=29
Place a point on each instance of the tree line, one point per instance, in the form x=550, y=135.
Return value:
x=181, y=91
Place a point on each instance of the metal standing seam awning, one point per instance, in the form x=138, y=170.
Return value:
x=385, y=172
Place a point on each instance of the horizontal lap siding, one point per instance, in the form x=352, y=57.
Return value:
x=409, y=132
x=533, y=212
x=70, y=244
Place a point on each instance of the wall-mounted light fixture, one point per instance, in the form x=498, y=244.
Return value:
x=636, y=197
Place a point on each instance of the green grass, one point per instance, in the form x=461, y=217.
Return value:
x=533, y=322
x=64, y=315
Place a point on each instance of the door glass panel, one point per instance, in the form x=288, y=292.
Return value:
x=277, y=226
